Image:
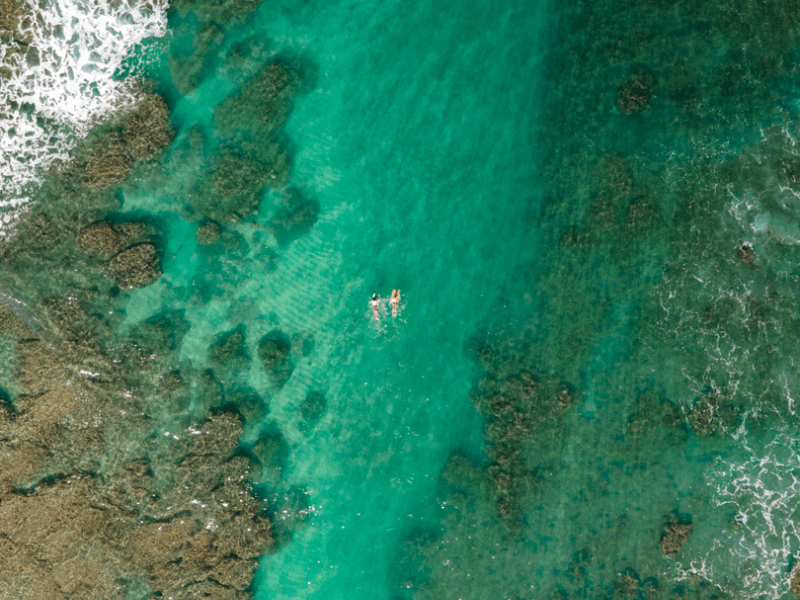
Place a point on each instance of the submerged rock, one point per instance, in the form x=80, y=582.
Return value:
x=271, y=451
x=294, y=218
x=634, y=95
x=149, y=129
x=674, y=537
x=208, y=233
x=274, y=350
x=311, y=409
x=228, y=352
x=135, y=267
x=109, y=164
x=99, y=239
x=250, y=405
x=746, y=253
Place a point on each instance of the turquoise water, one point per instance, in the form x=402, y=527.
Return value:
x=590, y=210
x=420, y=152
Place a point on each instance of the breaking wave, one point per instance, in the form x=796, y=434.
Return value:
x=760, y=494
x=57, y=68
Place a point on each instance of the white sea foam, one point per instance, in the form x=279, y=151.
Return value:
x=64, y=83
x=756, y=549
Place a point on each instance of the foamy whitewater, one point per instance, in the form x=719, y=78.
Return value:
x=64, y=83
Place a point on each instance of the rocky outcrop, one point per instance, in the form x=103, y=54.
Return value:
x=312, y=409
x=135, y=267
x=80, y=536
x=274, y=350
x=140, y=135
x=794, y=581
x=746, y=253
x=148, y=130
x=208, y=233
x=673, y=538
x=228, y=352
x=634, y=95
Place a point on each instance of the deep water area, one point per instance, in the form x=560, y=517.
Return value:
x=588, y=389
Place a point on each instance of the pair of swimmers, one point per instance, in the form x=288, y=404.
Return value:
x=394, y=302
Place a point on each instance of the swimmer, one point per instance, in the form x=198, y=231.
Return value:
x=394, y=301
x=374, y=304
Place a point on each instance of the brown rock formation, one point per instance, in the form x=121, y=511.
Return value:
x=208, y=233
x=674, y=537
x=135, y=267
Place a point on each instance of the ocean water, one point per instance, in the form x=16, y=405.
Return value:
x=590, y=210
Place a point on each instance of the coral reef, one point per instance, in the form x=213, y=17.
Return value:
x=103, y=239
x=109, y=163
x=274, y=350
x=234, y=187
x=222, y=12
x=208, y=233
x=188, y=71
x=250, y=158
x=148, y=129
x=311, y=409
x=634, y=95
x=228, y=352
x=267, y=95
x=295, y=217
x=675, y=534
x=138, y=136
x=135, y=267
x=516, y=407
x=714, y=412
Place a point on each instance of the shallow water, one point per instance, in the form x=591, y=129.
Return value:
x=481, y=158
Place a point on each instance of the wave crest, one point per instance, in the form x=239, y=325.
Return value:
x=57, y=65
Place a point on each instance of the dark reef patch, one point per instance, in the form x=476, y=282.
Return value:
x=295, y=217
x=634, y=94
x=274, y=350
x=311, y=410
x=228, y=352
x=677, y=530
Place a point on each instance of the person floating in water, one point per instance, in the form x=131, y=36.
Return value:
x=375, y=305
x=394, y=302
